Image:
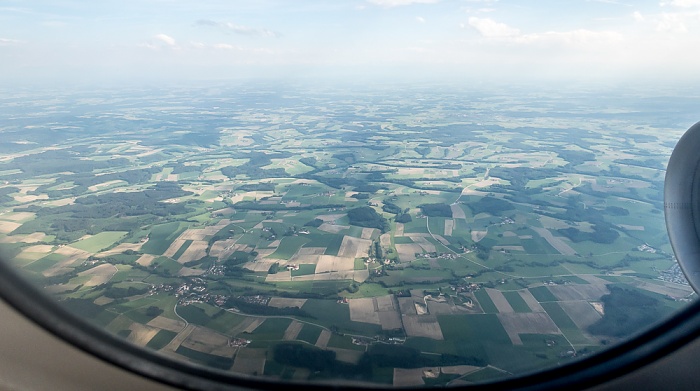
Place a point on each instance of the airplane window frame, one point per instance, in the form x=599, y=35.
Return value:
x=639, y=350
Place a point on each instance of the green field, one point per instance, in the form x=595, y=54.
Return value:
x=565, y=324
x=194, y=314
x=334, y=245
x=205, y=358
x=99, y=242
x=516, y=301
x=309, y=334
x=272, y=329
x=161, y=339
x=161, y=236
x=44, y=263
x=543, y=294
x=304, y=270
x=289, y=246
x=485, y=301
x=166, y=265
x=484, y=328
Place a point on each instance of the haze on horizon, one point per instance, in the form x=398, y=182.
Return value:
x=449, y=39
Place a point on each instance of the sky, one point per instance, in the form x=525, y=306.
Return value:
x=113, y=40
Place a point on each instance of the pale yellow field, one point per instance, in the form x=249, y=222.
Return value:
x=162, y=322
x=367, y=233
x=247, y=365
x=99, y=275
x=172, y=249
x=254, y=325
x=449, y=226
x=407, y=252
x=188, y=271
x=104, y=184
x=385, y=240
x=347, y=355
x=74, y=256
x=140, y=334
x=17, y=216
x=527, y=323
x=39, y=248
x=332, y=228
x=179, y=338
x=422, y=326
x=311, y=251
x=499, y=301
x=196, y=250
x=8, y=226
x=441, y=239
x=222, y=249
x=292, y=330
x=262, y=265
x=354, y=247
x=209, y=341
x=29, y=198
x=420, y=239
x=363, y=310
x=31, y=238
x=282, y=302
x=120, y=248
x=145, y=259
x=478, y=235
x=102, y=300
x=360, y=275
x=329, y=263
x=322, y=341
x=457, y=212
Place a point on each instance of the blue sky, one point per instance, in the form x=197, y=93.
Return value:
x=452, y=39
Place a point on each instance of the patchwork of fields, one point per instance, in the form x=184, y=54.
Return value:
x=454, y=248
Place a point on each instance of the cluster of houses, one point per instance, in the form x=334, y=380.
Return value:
x=674, y=274
x=192, y=291
x=238, y=342
x=506, y=220
x=646, y=248
x=216, y=270
x=465, y=288
x=435, y=255
x=366, y=341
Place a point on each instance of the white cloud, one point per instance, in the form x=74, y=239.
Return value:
x=249, y=30
x=489, y=28
x=683, y=3
x=225, y=46
x=238, y=29
x=676, y=22
x=638, y=16
x=398, y=3
x=610, y=2
x=572, y=38
x=420, y=19
x=168, y=40
x=8, y=42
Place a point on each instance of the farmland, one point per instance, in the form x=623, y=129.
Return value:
x=480, y=233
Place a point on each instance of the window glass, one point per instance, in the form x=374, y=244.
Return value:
x=393, y=192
